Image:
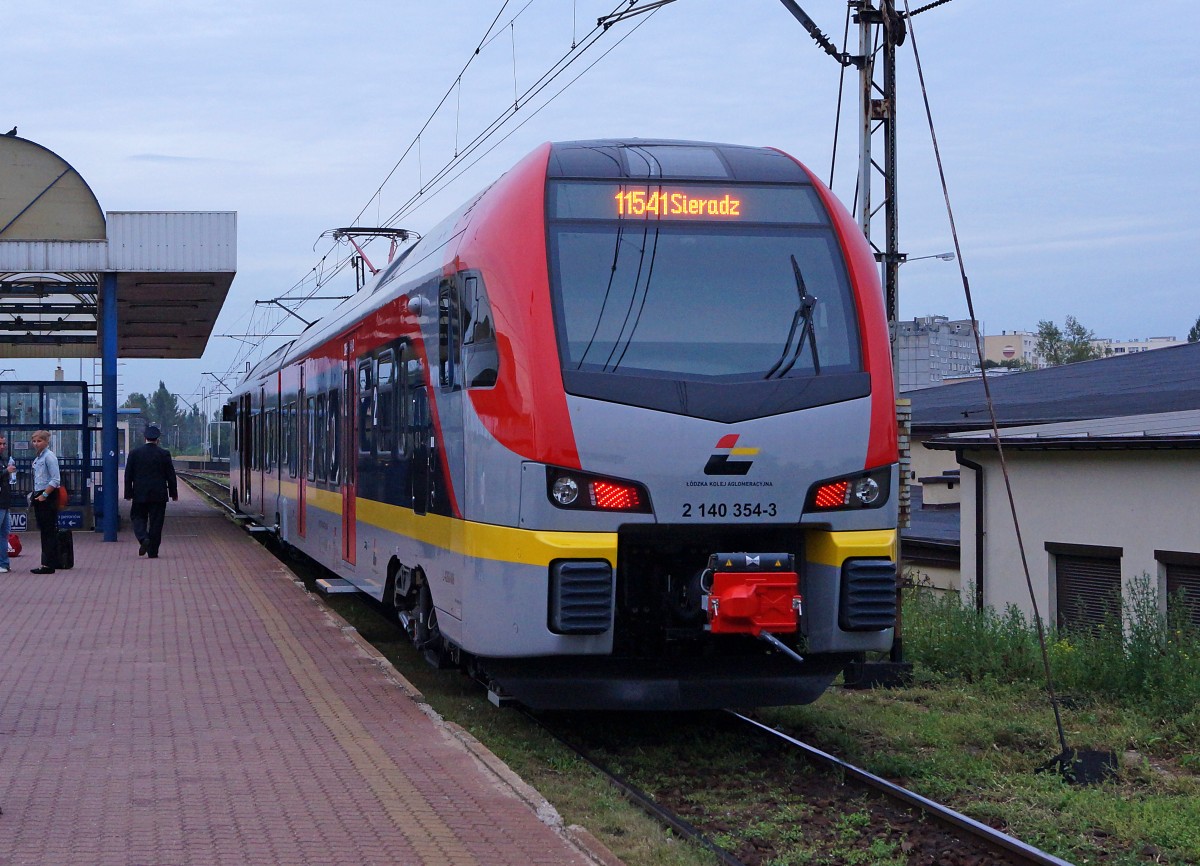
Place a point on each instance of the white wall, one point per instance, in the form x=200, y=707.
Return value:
x=1140, y=501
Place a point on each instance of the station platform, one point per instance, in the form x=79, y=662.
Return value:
x=202, y=708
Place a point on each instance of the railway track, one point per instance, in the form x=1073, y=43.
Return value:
x=926, y=832
x=1016, y=851
x=204, y=485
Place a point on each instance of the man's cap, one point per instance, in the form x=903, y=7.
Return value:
x=152, y=431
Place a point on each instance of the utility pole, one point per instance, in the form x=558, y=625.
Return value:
x=881, y=31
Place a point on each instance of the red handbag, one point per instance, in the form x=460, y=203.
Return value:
x=14, y=544
x=61, y=495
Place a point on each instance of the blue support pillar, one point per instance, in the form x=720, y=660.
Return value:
x=108, y=418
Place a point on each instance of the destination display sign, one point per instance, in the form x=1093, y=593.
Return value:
x=676, y=203
x=690, y=202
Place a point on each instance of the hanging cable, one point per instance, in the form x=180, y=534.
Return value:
x=533, y=91
x=447, y=178
x=577, y=50
x=987, y=391
x=837, y=120
x=325, y=270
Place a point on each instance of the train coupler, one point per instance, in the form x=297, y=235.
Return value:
x=752, y=593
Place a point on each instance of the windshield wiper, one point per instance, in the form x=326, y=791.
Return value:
x=803, y=315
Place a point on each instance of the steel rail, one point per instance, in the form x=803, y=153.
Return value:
x=640, y=798
x=989, y=835
x=192, y=480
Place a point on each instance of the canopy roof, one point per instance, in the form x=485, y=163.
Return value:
x=171, y=270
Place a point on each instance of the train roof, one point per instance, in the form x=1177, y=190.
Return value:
x=634, y=158
x=676, y=160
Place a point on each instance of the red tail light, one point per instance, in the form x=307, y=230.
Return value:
x=614, y=497
x=578, y=490
x=832, y=495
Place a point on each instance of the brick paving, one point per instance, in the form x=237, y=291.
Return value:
x=201, y=708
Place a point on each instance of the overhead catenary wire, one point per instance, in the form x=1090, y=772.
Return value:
x=329, y=266
x=447, y=180
x=523, y=100
x=837, y=119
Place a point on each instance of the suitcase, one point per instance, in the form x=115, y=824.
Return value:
x=66, y=549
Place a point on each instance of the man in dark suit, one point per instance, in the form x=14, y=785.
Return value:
x=149, y=480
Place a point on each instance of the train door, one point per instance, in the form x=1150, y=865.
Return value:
x=423, y=451
x=448, y=464
x=245, y=449
x=303, y=422
x=260, y=448
x=346, y=451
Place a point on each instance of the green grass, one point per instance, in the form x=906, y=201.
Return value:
x=977, y=725
x=971, y=732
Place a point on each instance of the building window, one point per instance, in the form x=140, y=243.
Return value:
x=1087, y=586
x=1182, y=572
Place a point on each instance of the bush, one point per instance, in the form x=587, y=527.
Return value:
x=1149, y=661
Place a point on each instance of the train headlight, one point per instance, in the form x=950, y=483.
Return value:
x=866, y=491
x=583, y=491
x=860, y=490
x=565, y=490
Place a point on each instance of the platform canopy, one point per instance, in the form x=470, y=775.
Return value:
x=172, y=270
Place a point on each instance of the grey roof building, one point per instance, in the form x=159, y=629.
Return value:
x=1106, y=507
x=1143, y=383
x=1078, y=407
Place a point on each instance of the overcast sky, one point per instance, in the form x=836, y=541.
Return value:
x=1067, y=129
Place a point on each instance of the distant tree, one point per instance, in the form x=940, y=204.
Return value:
x=164, y=408
x=1072, y=343
x=139, y=402
x=1014, y=364
x=1194, y=333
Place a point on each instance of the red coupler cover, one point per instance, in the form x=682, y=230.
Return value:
x=749, y=602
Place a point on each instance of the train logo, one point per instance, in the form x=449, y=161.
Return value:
x=720, y=462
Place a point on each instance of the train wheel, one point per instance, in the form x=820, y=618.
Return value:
x=428, y=635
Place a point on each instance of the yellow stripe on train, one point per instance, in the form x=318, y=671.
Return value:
x=540, y=547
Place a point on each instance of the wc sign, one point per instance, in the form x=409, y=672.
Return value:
x=18, y=521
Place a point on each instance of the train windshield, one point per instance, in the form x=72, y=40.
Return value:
x=699, y=282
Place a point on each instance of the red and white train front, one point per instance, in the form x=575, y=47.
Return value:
x=624, y=432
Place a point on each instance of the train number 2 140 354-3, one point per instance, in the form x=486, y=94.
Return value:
x=734, y=509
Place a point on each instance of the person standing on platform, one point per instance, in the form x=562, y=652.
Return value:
x=44, y=499
x=149, y=480
x=5, y=501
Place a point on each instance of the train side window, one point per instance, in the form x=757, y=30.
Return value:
x=272, y=439
x=366, y=407
x=321, y=428
x=449, y=334
x=481, y=362
x=310, y=427
x=413, y=378
x=385, y=410
x=258, y=437
x=334, y=442
x=291, y=440
x=281, y=452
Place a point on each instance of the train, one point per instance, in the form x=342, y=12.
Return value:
x=618, y=433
